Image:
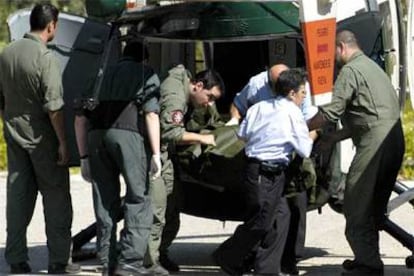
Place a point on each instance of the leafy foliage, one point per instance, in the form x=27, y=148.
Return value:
x=407, y=170
x=3, y=155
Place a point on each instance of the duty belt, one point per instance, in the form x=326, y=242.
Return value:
x=270, y=167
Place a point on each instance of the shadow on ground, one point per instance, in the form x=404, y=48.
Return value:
x=194, y=259
x=330, y=270
x=38, y=260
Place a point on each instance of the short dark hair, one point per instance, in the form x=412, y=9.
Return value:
x=137, y=50
x=289, y=80
x=41, y=15
x=346, y=37
x=210, y=78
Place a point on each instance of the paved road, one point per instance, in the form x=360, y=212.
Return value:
x=326, y=246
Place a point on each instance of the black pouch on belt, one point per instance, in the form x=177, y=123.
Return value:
x=272, y=167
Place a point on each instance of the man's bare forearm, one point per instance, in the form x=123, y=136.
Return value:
x=317, y=121
x=189, y=138
x=234, y=112
x=81, y=131
x=153, y=126
x=340, y=135
x=58, y=123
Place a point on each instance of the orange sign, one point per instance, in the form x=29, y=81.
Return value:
x=319, y=38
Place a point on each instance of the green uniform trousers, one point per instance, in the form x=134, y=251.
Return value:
x=166, y=220
x=113, y=152
x=34, y=169
x=172, y=218
x=369, y=184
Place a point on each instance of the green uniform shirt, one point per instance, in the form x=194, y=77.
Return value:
x=174, y=104
x=203, y=118
x=30, y=86
x=363, y=96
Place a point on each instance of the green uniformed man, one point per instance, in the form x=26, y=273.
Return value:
x=180, y=95
x=367, y=103
x=31, y=102
x=123, y=132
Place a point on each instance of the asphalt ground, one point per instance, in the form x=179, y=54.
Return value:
x=326, y=246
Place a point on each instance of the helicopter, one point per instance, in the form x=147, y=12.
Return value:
x=220, y=35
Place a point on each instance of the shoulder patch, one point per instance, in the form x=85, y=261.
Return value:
x=177, y=117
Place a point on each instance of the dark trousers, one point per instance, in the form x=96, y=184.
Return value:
x=260, y=230
x=300, y=204
x=295, y=242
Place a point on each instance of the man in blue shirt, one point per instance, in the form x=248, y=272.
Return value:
x=273, y=130
x=259, y=88
x=292, y=210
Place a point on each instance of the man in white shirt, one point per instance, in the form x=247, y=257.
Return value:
x=292, y=209
x=273, y=130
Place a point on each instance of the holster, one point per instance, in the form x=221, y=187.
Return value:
x=272, y=167
x=269, y=167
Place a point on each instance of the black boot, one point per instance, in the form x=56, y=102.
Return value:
x=168, y=264
x=20, y=268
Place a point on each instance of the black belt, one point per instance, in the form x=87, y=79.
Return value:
x=272, y=167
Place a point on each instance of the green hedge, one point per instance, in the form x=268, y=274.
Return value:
x=407, y=170
x=3, y=155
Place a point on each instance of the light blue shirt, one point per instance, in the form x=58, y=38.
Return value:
x=258, y=89
x=273, y=129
